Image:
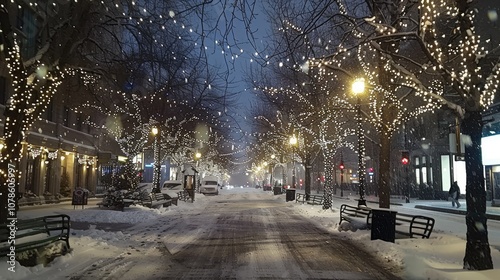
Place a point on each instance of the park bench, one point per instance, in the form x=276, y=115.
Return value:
x=406, y=224
x=315, y=199
x=156, y=199
x=35, y=233
x=414, y=225
x=119, y=204
x=300, y=197
x=355, y=214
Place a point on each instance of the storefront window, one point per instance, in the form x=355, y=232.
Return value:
x=137, y=160
x=417, y=176
x=424, y=174
x=496, y=181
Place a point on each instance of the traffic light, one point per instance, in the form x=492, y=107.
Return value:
x=405, y=157
x=341, y=166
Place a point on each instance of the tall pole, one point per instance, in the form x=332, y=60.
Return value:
x=341, y=166
x=271, y=182
x=293, y=167
x=283, y=173
x=342, y=182
x=358, y=87
x=271, y=170
x=335, y=179
x=407, y=182
x=157, y=170
x=293, y=142
x=361, y=155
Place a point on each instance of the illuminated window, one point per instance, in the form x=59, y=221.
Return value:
x=417, y=176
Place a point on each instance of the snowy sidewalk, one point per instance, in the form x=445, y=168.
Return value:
x=493, y=213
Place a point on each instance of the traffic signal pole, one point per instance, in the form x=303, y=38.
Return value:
x=405, y=160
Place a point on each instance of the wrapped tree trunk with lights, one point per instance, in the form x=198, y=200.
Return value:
x=32, y=92
x=328, y=189
x=307, y=170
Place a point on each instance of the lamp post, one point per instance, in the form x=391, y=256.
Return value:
x=341, y=167
x=283, y=174
x=266, y=169
x=335, y=179
x=293, y=142
x=271, y=167
x=156, y=157
x=358, y=87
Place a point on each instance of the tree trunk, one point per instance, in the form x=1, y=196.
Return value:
x=328, y=191
x=477, y=250
x=384, y=189
x=307, y=179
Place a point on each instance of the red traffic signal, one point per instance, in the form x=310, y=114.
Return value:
x=341, y=166
x=405, y=157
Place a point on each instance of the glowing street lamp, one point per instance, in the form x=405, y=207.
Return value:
x=358, y=88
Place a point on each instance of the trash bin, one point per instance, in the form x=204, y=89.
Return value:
x=290, y=194
x=80, y=197
x=277, y=190
x=383, y=225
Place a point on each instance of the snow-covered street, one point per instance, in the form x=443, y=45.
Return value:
x=245, y=234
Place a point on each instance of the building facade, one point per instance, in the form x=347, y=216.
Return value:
x=61, y=144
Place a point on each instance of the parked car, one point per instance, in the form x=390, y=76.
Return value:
x=210, y=185
x=170, y=187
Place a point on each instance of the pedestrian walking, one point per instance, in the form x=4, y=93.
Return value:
x=454, y=193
